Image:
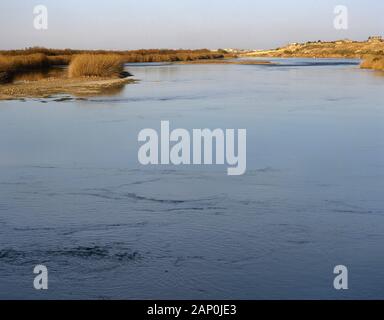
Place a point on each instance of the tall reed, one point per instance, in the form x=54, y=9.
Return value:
x=96, y=65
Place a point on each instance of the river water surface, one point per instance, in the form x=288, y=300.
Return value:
x=74, y=197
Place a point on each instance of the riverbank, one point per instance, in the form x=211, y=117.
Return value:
x=87, y=86
x=45, y=88
x=325, y=49
x=13, y=62
x=373, y=62
x=370, y=51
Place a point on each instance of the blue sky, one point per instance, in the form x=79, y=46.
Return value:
x=132, y=24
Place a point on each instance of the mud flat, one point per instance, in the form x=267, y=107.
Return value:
x=45, y=88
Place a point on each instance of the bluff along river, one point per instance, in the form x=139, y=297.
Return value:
x=74, y=197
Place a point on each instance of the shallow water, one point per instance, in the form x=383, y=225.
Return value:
x=73, y=196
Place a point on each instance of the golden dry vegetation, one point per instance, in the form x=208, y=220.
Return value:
x=96, y=65
x=10, y=65
x=322, y=49
x=374, y=62
x=18, y=61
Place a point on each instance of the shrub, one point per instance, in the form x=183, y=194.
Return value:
x=375, y=62
x=96, y=65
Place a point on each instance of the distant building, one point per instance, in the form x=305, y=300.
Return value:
x=375, y=39
x=343, y=41
x=232, y=50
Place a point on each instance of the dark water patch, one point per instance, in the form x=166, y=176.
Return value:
x=363, y=212
x=94, y=252
x=34, y=229
x=102, y=227
x=11, y=255
x=105, y=195
x=109, y=194
x=255, y=172
x=120, y=186
x=44, y=167
x=65, y=231
x=167, y=201
x=180, y=260
x=139, y=182
x=63, y=99
x=40, y=193
x=266, y=169
x=203, y=208
x=299, y=242
x=339, y=206
x=147, y=99
x=150, y=199
x=13, y=183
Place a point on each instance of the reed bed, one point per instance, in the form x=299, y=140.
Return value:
x=142, y=55
x=99, y=63
x=23, y=62
x=11, y=65
x=96, y=65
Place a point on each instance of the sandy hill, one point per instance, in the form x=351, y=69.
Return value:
x=320, y=49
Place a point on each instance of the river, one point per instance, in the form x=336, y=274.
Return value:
x=74, y=197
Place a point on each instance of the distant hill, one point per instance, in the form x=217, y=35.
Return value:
x=320, y=49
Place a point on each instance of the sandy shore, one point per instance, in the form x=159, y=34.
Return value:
x=53, y=86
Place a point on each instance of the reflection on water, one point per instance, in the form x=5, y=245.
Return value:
x=34, y=75
x=73, y=196
x=377, y=73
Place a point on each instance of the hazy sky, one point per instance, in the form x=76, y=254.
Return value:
x=131, y=24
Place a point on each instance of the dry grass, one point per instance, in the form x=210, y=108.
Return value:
x=102, y=63
x=96, y=65
x=373, y=62
x=11, y=65
x=164, y=55
x=142, y=55
x=23, y=62
x=324, y=49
